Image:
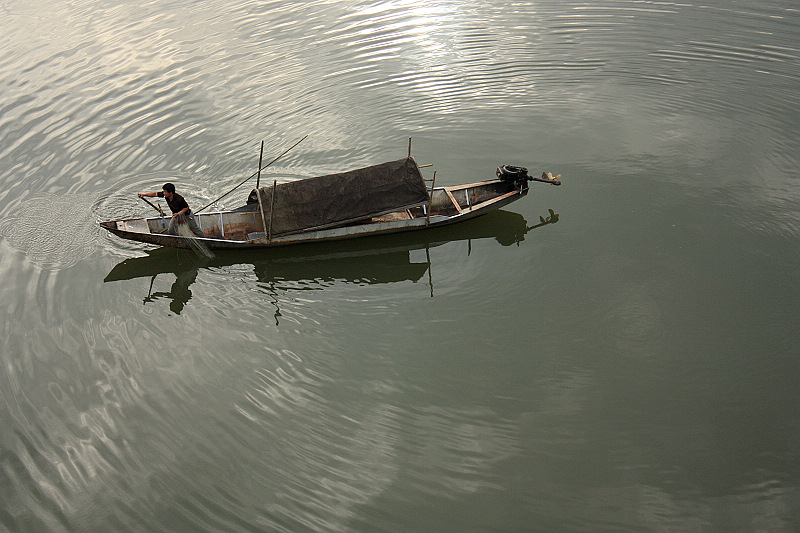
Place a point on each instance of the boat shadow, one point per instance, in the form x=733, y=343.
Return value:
x=370, y=260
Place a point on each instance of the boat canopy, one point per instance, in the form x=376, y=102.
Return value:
x=337, y=199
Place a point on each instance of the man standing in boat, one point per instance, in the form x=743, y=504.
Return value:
x=181, y=214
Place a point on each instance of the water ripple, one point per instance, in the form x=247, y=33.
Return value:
x=54, y=232
x=265, y=392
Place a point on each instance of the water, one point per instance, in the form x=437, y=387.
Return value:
x=629, y=366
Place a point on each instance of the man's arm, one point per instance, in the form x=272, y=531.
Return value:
x=153, y=194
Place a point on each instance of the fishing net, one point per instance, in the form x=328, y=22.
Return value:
x=335, y=199
x=186, y=226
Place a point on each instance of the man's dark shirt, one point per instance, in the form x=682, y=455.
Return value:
x=176, y=204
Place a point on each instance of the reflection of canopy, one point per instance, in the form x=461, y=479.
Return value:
x=328, y=201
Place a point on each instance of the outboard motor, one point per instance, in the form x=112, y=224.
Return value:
x=511, y=173
x=519, y=176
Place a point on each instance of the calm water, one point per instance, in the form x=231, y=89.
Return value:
x=631, y=367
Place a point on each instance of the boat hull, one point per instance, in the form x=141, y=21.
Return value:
x=449, y=205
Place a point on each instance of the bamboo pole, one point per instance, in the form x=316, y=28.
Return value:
x=271, y=210
x=261, y=212
x=260, y=158
x=430, y=201
x=251, y=175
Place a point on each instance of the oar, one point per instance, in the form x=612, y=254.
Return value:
x=156, y=207
x=161, y=211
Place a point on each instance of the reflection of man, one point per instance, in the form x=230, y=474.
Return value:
x=181, y=214
x=180, y=290
x=179, y=293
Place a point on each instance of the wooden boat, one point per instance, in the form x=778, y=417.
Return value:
x=381, y=199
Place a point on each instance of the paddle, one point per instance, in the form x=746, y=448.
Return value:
x=156, y=207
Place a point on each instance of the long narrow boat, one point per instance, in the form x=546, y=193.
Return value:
x=386, y=198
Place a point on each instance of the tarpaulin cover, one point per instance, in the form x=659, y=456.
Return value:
x=335, y=199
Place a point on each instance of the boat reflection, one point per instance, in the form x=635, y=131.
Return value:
x=371, y=260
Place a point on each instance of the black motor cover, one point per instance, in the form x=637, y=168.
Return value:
x=512, y=173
